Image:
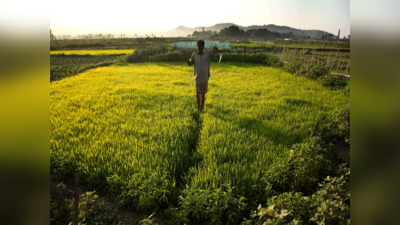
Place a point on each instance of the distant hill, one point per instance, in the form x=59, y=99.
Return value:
x=182, y=31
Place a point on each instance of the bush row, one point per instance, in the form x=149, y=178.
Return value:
x=176, y=56
x=330, y=204
x=317, y=72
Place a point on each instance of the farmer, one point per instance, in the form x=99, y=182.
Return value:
x=201, y=61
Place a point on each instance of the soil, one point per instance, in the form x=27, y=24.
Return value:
x=341, y=153
x=131, y=216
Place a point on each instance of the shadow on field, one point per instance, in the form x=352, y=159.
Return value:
x=259, y=126
x=296, y=102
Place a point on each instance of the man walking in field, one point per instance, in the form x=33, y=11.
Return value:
x=201, y=61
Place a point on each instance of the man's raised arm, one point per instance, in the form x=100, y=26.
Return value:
x=186, y=58
x=214, y=51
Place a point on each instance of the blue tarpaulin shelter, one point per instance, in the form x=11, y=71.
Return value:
x=207, y=44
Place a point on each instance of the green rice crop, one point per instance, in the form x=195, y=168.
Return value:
x=122, y=121
x=135, y=120
x=254, y=114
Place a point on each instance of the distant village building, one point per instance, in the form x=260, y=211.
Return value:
x=328, y=36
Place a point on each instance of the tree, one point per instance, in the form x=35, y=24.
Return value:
x=232, y=31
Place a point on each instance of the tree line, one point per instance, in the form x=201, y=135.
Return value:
x=234, y=31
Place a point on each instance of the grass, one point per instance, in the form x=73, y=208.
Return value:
x=92, y=52
x=136, y=121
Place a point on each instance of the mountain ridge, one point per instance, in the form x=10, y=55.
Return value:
x=180, y=31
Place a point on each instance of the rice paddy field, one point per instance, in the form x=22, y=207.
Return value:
x=132, y=122
x=92, y=52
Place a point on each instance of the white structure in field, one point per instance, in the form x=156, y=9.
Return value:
x=207, y=44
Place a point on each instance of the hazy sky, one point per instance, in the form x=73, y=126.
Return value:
x=328, y=15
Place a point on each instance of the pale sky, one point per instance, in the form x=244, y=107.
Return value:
x=327, y=15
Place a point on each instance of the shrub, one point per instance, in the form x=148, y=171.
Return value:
x=141, y=192
x=135, y=57
x=274, y=61
x=307, y=162
x=286, y=208
x=215, y=206
x=334, y=81
x=292, y=67
x=340, y=126
x=330, y=204
x=310, y=162
x=312, y=72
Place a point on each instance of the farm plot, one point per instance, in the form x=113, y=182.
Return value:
x=93, y=52
x=133, y=130
x=253, y=117
x=62, y=66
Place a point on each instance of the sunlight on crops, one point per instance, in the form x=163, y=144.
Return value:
x=139, y=119
x=93, y=52
x=254, y=115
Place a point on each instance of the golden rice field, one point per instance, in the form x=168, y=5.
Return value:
x=93, y=52
x=133, y=124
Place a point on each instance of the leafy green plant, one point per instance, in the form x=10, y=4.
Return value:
x=275, y=61
x=147, y=221
x=339, y=128
x=301, y=171
x=144, y=193
x=286, y=208
x=312, y=71
x=334, y=80
x=292, y=67
x=330, y=204
x=209, y=206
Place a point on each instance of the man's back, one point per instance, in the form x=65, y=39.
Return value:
x=202, y=65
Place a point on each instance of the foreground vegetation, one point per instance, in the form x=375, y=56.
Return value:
x=133, y=132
